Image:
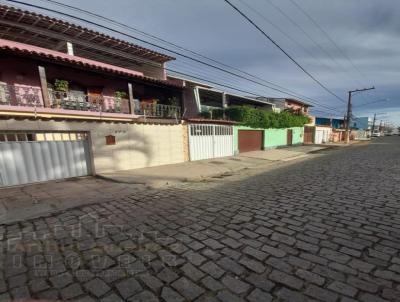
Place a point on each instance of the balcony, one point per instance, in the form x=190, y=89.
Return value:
x=20, y=95
x=84, y=102
x=157, y=110
x=30, y=99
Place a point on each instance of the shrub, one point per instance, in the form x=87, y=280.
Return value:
x=258, y=118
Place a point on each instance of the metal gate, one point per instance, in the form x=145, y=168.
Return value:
x=321, y=136
x=210, y=141
x=23, y=162
x=250, y=140
x=289, y=137
x=308, y=135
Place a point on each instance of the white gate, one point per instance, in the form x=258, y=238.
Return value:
x=321, y=136
x=23, y=162
x=210, y=141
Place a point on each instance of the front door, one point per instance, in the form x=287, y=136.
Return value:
x=289, y=137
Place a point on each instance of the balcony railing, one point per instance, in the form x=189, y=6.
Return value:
x=80, y=101
x=20, y=95
x=28, y=96
x=157, y=110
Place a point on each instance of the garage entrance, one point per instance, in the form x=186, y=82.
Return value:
x=27, y=157
x=308, y=135
x=250, y=140
x=210, y=141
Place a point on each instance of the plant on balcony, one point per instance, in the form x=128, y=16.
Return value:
x=120, y=94
x=174, y=101
x=61, y=85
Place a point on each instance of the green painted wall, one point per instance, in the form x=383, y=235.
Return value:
x=236, y=135
x=273, y=138
x=298, y=135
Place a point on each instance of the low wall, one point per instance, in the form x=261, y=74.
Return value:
x=137, y=145
x=273, y=138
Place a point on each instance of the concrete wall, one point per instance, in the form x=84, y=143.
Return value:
x=137, y=145
x=273, y=138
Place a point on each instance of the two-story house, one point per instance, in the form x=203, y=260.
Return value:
x=293, y=105
x=74, y=101
x=199, y=97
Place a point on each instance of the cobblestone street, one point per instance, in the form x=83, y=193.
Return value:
x=324, y=229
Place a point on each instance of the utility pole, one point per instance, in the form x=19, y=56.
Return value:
x=373, y=124
x=348, y=117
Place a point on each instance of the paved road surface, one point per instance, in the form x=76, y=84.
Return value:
x=326, y=229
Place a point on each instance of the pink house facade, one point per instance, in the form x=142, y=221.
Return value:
x=77, y=102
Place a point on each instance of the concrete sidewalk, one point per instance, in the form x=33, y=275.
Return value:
x=283, y=154
x=211, y=168
x=186, y=172
x=36, y=200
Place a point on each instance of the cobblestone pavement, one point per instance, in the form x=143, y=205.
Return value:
x=326, y=229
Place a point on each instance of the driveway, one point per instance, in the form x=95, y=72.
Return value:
x=326, y=229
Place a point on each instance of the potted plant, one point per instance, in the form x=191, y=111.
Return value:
x=61, y=85
x=119, y=96
x=60, y=88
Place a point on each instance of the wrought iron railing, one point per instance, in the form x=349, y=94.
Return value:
x=81, y=101
x=20, y=95
x=157, y=110
x=23, y=95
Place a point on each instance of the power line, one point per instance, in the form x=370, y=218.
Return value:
x=280, y=89
x=322, y=49
x=282, y=50
x=152, y=44
x=328, y=37
x=171, y=44
x=298, y=44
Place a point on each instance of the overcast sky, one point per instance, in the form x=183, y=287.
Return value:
x=365, y=31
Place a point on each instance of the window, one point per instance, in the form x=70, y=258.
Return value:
x=11, y=137
x=110, y=140
x=21, y=137
x=42, y=136
x=31, y=137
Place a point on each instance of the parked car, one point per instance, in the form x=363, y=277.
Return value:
x=376, y=134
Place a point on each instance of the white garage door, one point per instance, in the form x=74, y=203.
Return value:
x=321, y=136
x=210, y=141
x=35, y=157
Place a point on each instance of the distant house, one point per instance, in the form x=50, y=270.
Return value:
x=337, y=133
x=294, y=105
x=333, y=122
x=200, y=97
x=362, y=123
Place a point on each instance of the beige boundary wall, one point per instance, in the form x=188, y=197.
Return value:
x=137, y=145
